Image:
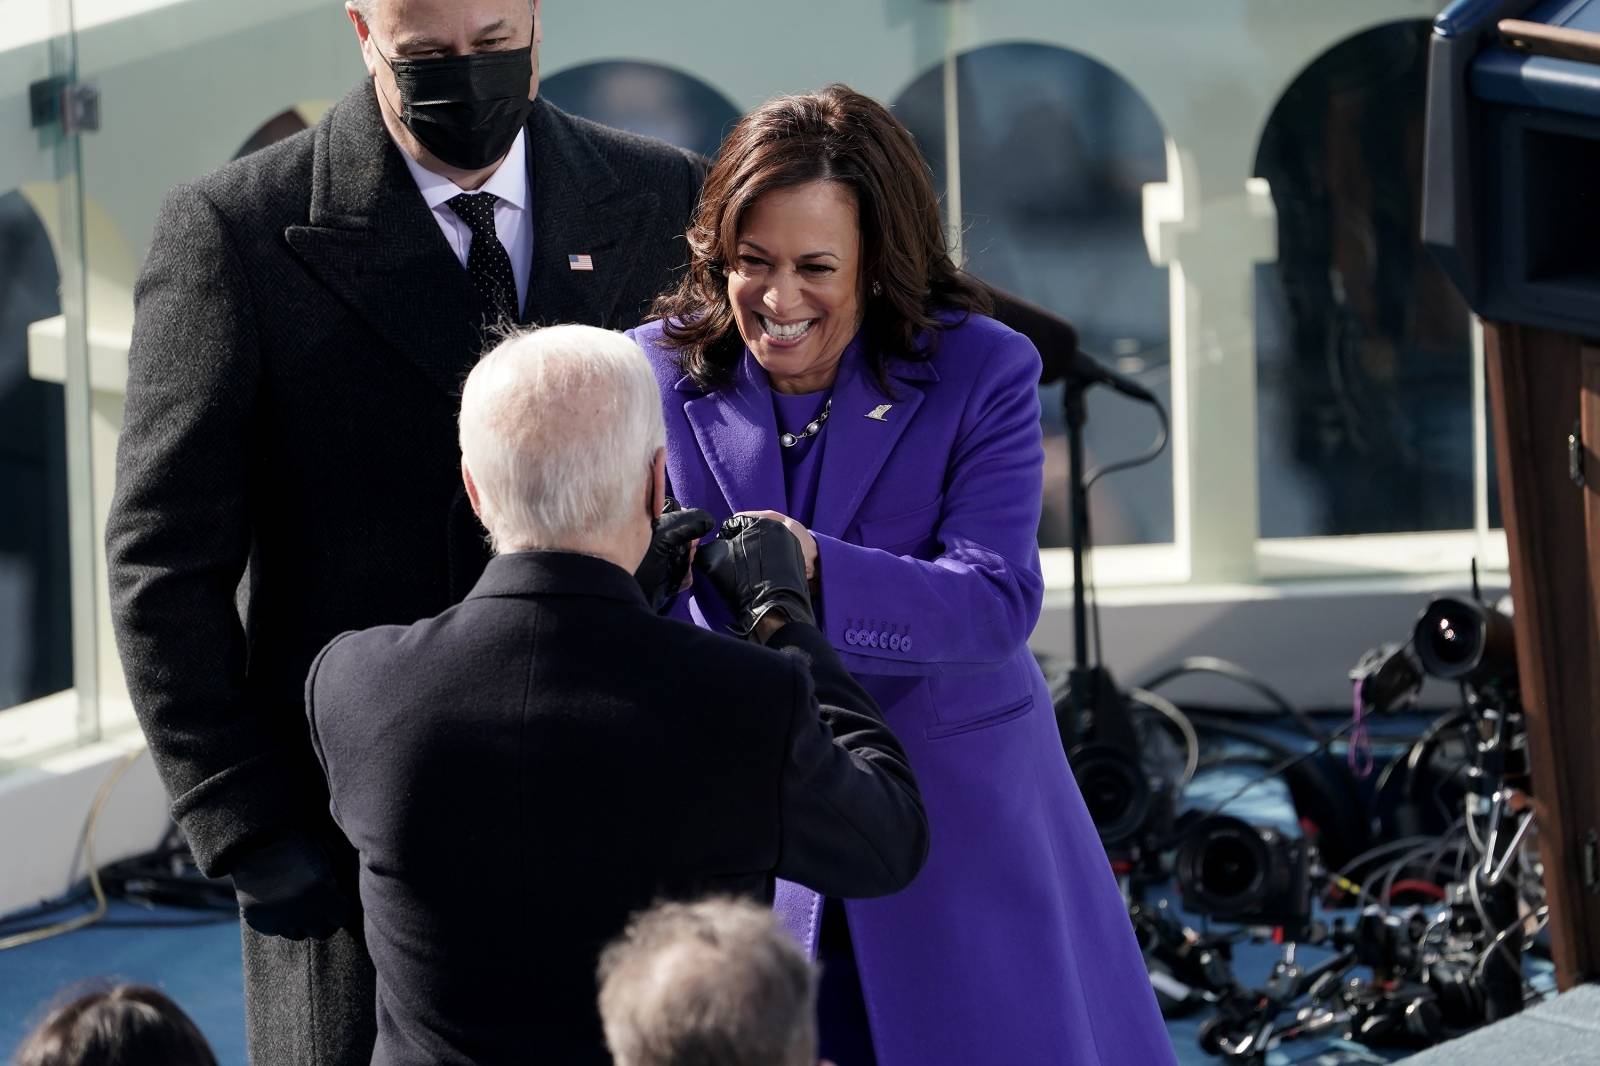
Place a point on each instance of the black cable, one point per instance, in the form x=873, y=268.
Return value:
x=1210, y=722
x=29, y=918
x=1210, y=664
x=1149, y=455
x=1091, y=593
x=1413, y=758
x=1325, y=716
x=1236, y=758
x=1282, y=765
x=1091, y=590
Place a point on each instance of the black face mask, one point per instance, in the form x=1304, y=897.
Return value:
x=465, y=109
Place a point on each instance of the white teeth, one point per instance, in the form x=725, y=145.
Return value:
x=787, y=333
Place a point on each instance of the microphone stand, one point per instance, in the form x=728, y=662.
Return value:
x=1093, y=698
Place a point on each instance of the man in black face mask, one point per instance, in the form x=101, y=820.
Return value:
x=289, y=467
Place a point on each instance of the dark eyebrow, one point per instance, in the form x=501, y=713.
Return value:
x=808, y=255
x=412, y=44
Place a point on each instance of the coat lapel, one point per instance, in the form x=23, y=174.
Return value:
x=737, y=434
x=858, y=445
x=738, y=438
x=580, y=208
x=371, y=240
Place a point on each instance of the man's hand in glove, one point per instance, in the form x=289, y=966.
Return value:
x=286, y=888
x=756, y=566
x=665, y=568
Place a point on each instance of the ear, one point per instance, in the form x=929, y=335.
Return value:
x=658, y=483
x=363, y=35
x=472, y=489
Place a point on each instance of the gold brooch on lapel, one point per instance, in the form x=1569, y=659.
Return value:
x=877, y=413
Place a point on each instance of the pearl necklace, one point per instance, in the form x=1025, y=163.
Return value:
x=789, y=440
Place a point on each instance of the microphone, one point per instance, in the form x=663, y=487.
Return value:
x=1057, y=342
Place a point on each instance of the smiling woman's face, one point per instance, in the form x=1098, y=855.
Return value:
x=795, y=283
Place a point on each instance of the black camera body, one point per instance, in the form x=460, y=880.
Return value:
x=1126, y=770
x=1233, y=871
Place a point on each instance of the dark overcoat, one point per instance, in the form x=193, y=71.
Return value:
x=302, y=330
x=524, y=771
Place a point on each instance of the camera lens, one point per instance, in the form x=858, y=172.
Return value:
x=1223, y=867
x=1228, y=868
x=1114, y=789
x=1461, y=639
x=1451, y=646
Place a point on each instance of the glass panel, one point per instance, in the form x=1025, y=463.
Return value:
x=47, y=597
x=647, y=99
x=35, y=590
x=1054, y=151
x=1363, y=347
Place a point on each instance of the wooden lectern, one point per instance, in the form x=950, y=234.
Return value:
x=1512, y=209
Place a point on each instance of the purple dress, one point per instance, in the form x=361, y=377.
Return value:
x=802, y=461
x=1013, y=946
x=845, y=1030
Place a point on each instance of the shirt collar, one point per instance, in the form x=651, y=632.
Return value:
x=509, y=181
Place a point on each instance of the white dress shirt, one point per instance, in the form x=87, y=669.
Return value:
x=513, y=210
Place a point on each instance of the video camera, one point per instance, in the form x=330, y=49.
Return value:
x=1233, y=871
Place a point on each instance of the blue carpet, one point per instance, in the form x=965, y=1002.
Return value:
x=199, y=966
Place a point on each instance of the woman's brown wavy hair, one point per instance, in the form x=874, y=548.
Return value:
x=839, y=135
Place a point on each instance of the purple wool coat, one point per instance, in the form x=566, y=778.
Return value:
x=1013, y=946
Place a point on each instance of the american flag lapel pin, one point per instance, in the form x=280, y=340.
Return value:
x=580, y=262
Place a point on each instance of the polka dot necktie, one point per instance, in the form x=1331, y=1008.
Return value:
x=487, y=260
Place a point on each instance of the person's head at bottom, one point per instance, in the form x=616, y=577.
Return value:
x=116, y=1025
x=562, y=444
x=713, y=983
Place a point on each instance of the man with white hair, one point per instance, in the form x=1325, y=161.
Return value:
x=711, y=983
x=521, y=772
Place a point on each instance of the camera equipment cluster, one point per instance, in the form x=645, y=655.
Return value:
x=1443, y=913
x=1443, y=904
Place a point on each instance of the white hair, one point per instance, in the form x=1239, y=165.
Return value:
x=559, y=427
x=715, y=982
x=364, y=8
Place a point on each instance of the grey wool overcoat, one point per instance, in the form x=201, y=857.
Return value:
x=289, y=469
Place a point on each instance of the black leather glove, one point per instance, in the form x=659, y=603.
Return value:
x=756, y=566
x=286, y=888
x=666, y=562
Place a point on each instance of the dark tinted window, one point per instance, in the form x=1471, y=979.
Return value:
x=644, y=98
x=1363, y=347
x=35, y=604
x=1055, y=150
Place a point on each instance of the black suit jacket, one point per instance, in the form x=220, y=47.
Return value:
x=522, y=772
x=302, y=330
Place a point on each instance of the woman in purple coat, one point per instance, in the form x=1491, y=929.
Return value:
x=825, y=364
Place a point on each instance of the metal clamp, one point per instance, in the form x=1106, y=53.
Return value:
x=72, y=105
